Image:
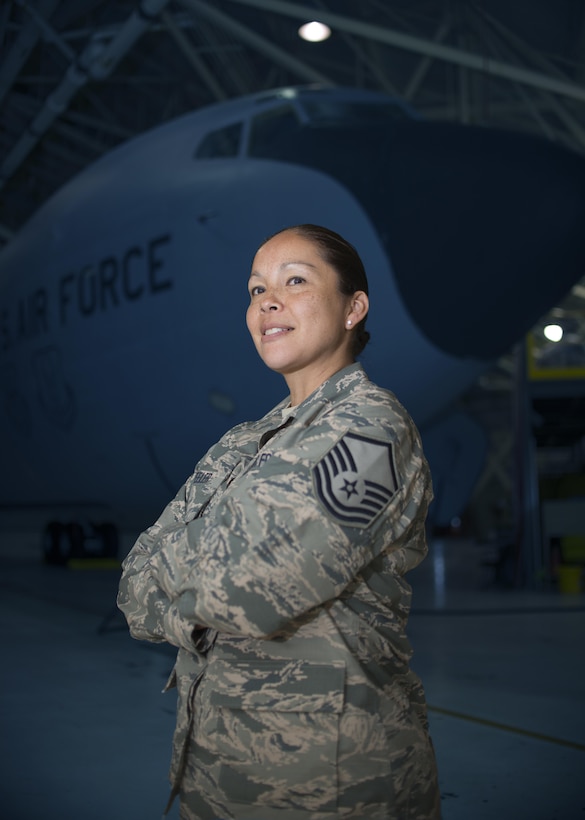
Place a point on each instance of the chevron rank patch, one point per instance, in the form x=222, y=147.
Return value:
x=356, y=479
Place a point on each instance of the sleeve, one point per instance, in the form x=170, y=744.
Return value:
x=283, y=540
x=150, y=613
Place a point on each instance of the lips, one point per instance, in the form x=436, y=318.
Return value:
x=275, y=330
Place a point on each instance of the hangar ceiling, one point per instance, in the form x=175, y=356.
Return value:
x=77, y=77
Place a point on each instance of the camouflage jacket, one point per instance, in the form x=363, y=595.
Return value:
x=278, y=573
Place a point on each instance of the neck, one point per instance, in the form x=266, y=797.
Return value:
x=301, y=384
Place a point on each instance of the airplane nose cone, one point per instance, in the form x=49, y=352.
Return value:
x=485, y=230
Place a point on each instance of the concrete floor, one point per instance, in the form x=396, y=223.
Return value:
x=85, y=731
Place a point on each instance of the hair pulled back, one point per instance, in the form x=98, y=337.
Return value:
x=345, y=261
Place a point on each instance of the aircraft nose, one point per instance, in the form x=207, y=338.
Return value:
x=485, y=230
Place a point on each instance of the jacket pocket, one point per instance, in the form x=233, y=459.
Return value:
x=273, y=729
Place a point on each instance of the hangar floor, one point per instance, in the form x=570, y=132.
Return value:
x=85, y=732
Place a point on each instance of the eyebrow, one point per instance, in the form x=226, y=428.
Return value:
x=285, y=265
x=298, y=262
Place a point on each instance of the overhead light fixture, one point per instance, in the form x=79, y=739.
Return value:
x=314, y=32
x=554, y=333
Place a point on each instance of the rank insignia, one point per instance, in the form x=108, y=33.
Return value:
x=356, y=479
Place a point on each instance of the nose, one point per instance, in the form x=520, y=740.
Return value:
x=502, y=218
x=270, y=301
x=484, y=229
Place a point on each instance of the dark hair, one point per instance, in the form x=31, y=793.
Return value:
x=345, y=261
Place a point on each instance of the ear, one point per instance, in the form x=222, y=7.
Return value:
x=359, y=306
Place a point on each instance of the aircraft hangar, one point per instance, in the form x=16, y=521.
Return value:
x=498, y=245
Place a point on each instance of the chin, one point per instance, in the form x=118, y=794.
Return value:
x=276, y=367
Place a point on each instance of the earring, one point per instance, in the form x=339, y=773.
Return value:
x=348, y=322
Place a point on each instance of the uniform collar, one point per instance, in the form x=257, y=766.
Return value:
x=333, y=388
x=341, y=383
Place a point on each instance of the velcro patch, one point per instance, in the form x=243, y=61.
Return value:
x=356, y=479
x=201, y=477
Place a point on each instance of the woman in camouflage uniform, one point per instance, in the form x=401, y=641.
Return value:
x=278, y=570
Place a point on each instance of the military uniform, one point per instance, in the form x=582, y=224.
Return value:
x=278, y=573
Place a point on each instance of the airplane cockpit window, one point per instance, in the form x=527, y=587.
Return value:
x=225, y=142
x=325, y=111
x=269, y=127
x=278, y=132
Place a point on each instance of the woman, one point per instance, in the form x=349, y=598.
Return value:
x=277, y=572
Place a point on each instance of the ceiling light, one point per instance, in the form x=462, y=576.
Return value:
x=314, y=32
x=554, y=333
